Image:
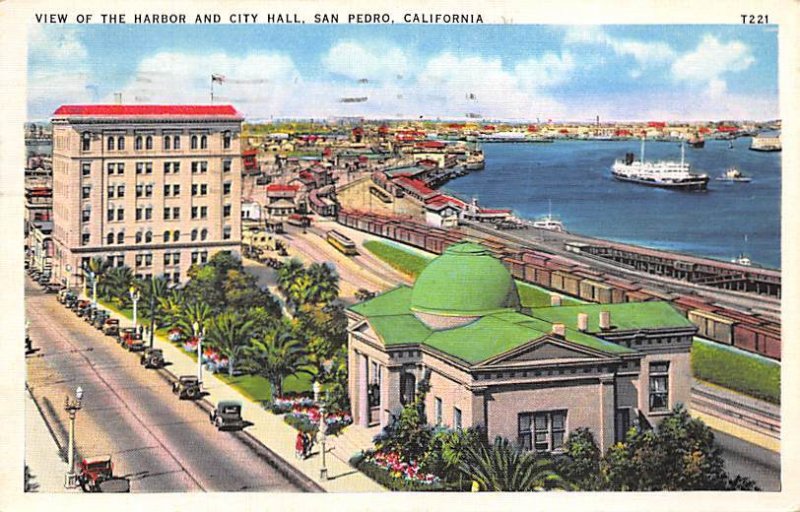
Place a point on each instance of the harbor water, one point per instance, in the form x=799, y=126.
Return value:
x=727, y=220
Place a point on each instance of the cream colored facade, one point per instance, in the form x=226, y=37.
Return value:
x=125, y=190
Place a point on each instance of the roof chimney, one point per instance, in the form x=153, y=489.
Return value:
x=605, y=320
x=118, y=98
x=583, y=322
x=555, y=300
x=559, y=330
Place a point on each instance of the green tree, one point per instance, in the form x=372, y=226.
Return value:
x=277, y=355
x=171, y=306
x=503, y=467
x=195, y=313
x=410, y=435
x=116, y=284
x=229, y=333
x=679, y=455
x=580, y=465
x=324, y=283
x=288, y=273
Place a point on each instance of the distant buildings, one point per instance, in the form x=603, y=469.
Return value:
x=156, y=188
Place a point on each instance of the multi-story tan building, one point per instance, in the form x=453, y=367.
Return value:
x=153, y=187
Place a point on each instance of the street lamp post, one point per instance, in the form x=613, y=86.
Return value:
x=323, y=472
x=94, y=288
x=199, y=335
x=135, y=298
x=72, y=407
x=152, y=313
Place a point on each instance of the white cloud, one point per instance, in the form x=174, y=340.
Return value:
x=711, y=59
x=55, y=43
x=374, y=61
x=646, y=53
x=546, y=71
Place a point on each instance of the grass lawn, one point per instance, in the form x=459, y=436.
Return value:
x=736, y=370
x=531, y=296
x=397, y=258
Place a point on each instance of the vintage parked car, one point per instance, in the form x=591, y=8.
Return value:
x=131, y=340
x=111, y=327
x=92, y=471
x=62, y=295
x=90, y=313
x=99, y=319
x=52, y=288
x=81, y=307
x=152, y=358
x=227, y=415
x=187, y=387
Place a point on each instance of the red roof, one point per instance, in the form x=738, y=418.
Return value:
x=250, y=152
x=724, y=128
x=148, y=110
x=657, y=124
x=434, y=144
x=277, y=187
x=415, y=185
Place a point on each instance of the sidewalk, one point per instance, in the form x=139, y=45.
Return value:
x=42, y=454
x=274, y=433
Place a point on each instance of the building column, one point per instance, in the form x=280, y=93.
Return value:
x=390, y=393
x=607, y=411
x=363, y=398
x=478, y=409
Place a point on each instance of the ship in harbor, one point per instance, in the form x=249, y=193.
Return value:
x=548, y=222
x=697, y=141
x=663, y=174
x=475, y=161
x=766, y=143
x=734, y=175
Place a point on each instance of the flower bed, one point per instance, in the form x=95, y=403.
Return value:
x=393, y=473
x=306, y=419
x=285, y=404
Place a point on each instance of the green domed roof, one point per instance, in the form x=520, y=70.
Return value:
x=464, y=281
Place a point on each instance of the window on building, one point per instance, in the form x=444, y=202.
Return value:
x=194, y=141
x=166, y=236
x=167, y=260
x=137, y=143
x=121, y=237
x=110, y=214
x=194, y=235
x=120, y=143
x=203, y=142
x=226, y=140
x=139, y=212
x=148, y=237
x=204, y=257
x=176, y=142
x=110, y=238
x=438, y=410
x=226, y=166
x=139, y=190
x=120, y=190
x=456, y=417
x=110, y=168
x=659, y=386
x=167, y=142
x=167, y=212
x=86, y=141
x=120, y=214
x=148, y=213
x=176, y=258
x=148, y=167
x=622, y=424
x=138, y=237
x=226, y=233
x=195, y=167
x=86, y=215
x=148, y=142
x=203, y=189
x=226, y=188
x=121, y=168
x=167, y=190
x=203, y=166
x=542, y=431
x=86, y=192
x=176, y=190
x=194, y=212
x=85, y=239
x=139, y=167
x=176, y=213
x=203, y=212
x=176, y=235
x=194, y=189
x=110, y=144
x=194, y=257
x=176, y=277
x=176, y=167
x=204, y=234
x=148, y=259
x=167, y=167
x=111, y=191
x=148, y=190
x=86, y=169
x=139, y=258
x=226, y=210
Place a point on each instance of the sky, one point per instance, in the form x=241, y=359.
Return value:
x=502, y=72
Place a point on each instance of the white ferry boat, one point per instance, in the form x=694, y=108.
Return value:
x=765, y=143
x=548, y=222
x=735, y=175
x=664, y=174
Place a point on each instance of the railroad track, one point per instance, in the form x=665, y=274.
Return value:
x=742, y=414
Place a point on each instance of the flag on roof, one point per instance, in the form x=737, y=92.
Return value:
x=217, y=78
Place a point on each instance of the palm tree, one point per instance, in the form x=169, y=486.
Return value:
x=194, y=313
x=229, y=333
x=300, y=291
x=171, y=307
x=277, y=355
x=502, y=467
x=153, y=290
x=324, y=282
x=97, y=267
x=288, y=273
x=116, y=283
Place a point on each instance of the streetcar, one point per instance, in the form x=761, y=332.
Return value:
x=343, y=244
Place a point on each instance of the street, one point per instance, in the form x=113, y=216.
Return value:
x=160, y=443
x=747, y=459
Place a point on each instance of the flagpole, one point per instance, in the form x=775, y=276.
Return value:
x=212, y=89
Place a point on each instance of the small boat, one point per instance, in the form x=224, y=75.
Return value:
x=730, y=144
x=696, y=142
x=742, y=260
x=548, y=222
x=733, y=174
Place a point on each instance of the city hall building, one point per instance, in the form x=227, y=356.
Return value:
x=529, y=375
x=153, y=187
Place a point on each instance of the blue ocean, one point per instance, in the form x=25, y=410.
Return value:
x=727, y=220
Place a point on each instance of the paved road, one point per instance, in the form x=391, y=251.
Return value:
x=747, y=459
x=162, y=444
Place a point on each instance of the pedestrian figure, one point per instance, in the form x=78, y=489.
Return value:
x=300, y=446
x=306, y=445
